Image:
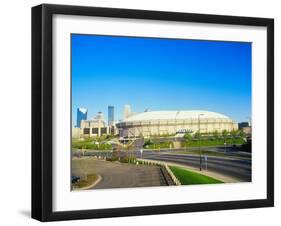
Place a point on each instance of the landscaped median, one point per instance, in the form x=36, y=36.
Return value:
x=183, y=176
x=187, y=177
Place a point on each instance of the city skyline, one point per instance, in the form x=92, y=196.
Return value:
x=107, y=118
x=160, y=74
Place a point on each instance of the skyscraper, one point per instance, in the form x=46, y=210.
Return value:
x=81, y=115
x=127, y=111
x=110, y=115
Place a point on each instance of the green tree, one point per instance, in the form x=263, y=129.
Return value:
x=187, y=136
x=242, y=133
x=147, y=143
x=197, y=135
x=234, y=133
x=216, y=134
x=224, y=134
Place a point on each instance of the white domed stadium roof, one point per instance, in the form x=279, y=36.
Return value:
x=173, y=115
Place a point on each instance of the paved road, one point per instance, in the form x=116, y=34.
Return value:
x=117, y=175
x=236, y=165
x=236, y=168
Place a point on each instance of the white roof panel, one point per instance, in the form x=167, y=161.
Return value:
x=172, y=115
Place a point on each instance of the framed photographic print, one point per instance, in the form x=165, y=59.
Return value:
x=145, y=112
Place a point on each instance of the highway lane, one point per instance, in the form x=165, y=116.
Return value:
x=241, y=163
x=240, y=169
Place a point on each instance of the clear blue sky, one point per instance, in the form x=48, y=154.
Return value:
x=160, y=74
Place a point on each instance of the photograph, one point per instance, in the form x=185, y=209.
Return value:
x=149, y=111
x=145, y=112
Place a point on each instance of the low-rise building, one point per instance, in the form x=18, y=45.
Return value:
x=95, y=127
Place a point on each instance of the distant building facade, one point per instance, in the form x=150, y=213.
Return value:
x=81, y=115
x=245, y=127
x=170, y=122
x=242, y=125
x=150, y=123
x=110, y=115
x=247, y=130
x=96, y=127
x=76, y=132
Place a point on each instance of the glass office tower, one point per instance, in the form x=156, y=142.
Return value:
x=81, y=115
x=110, y=115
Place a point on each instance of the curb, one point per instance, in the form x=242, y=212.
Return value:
x=174, y=178
x=222, y=178
x=90, y=186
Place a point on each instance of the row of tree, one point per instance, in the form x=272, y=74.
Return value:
x=217, y=135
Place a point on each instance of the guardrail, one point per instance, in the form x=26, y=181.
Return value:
x=176, y=181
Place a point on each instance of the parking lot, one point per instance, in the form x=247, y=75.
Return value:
x=118, y=175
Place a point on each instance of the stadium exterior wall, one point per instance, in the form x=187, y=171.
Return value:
x=154, y=127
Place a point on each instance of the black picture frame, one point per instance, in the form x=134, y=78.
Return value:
x=42, y=111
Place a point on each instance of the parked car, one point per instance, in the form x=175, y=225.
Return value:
x=74, y=179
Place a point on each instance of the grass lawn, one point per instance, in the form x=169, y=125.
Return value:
x=213, y=142
x=203, y=152
x=204, y=142
x=187, y=177
x=89, y=143
x=150, y=145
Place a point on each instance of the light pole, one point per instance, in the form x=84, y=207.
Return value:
x=141, y=151
x=200, y=141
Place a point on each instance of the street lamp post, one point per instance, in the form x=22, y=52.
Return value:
x=141, y=151
x=200, y=141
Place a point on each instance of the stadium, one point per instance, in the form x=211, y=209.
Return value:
x=157, y=123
